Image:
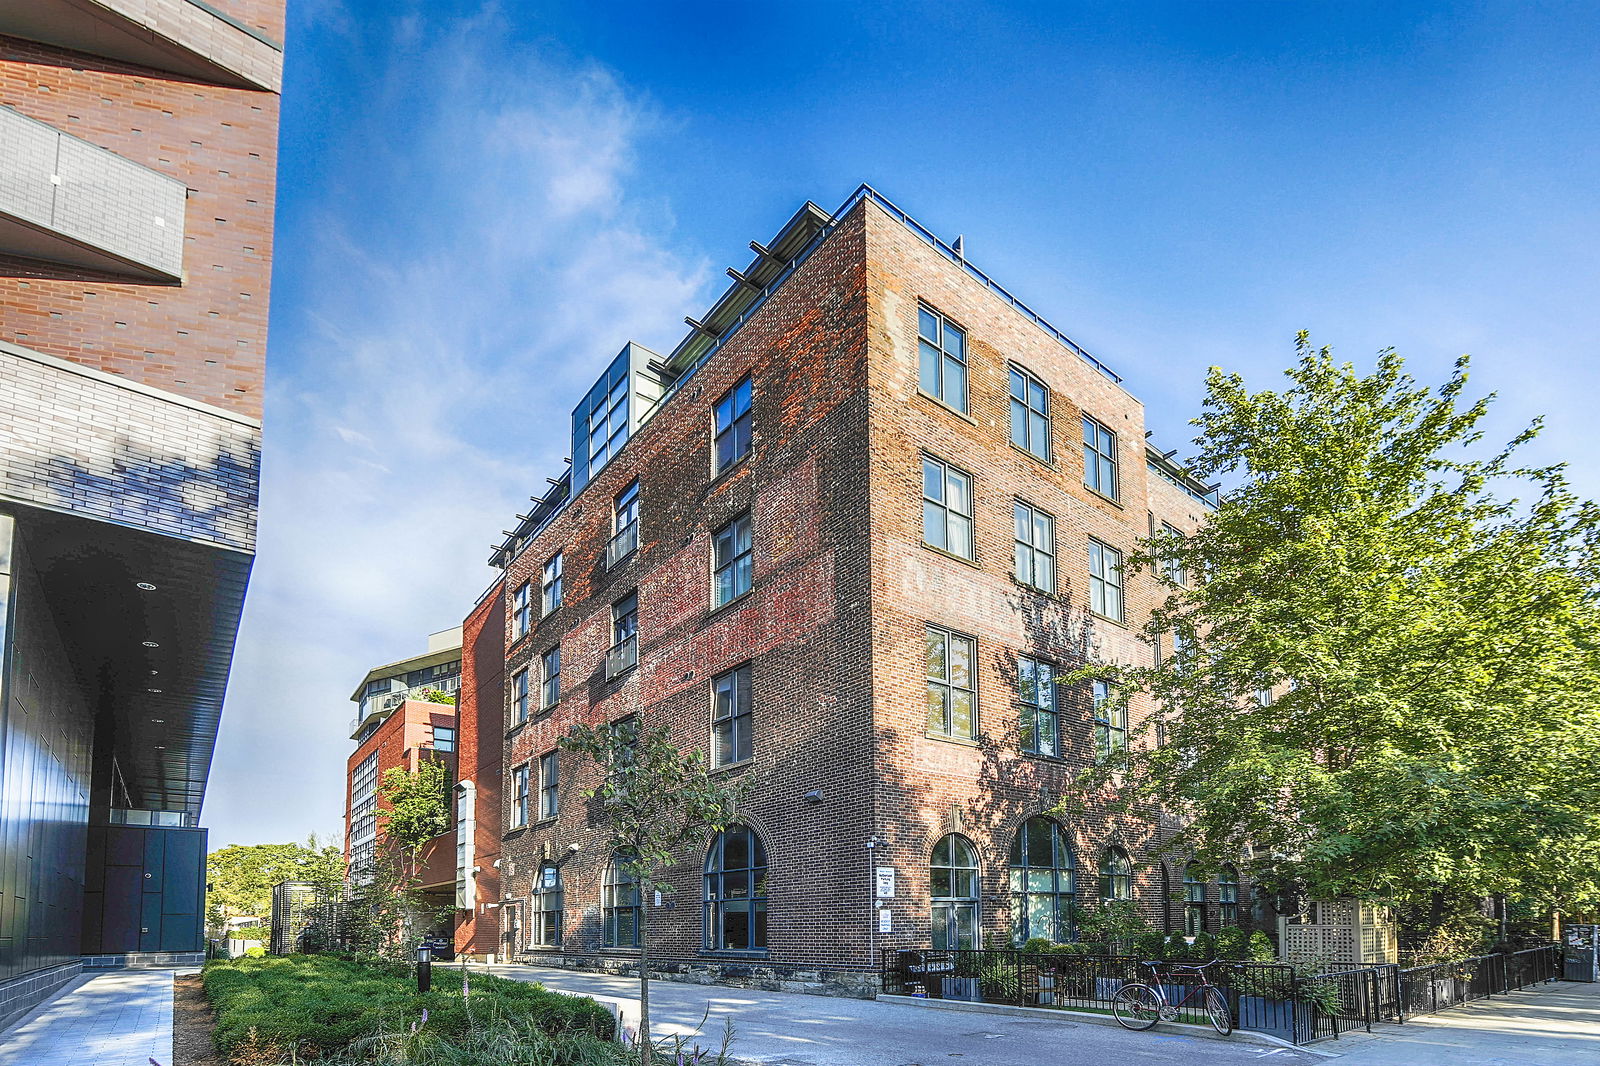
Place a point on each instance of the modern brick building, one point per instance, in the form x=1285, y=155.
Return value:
x=138, y=145
x=481, y=706
x=845, y=536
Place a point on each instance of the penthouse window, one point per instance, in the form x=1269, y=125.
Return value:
x=521, y=615
x=736, y=891
x=1030, y=414
x=1036, y=690
x=733, y=426
x=730, y=561
x=519, y=796
x=731, y=717
x=1099, y=458
x=941, y=359
x=600, y=424
x=1035, y=547
x=549, y=784
x=550, y=585
x=952, y=696
x=1105, y=580
x=549, y=678
x=519, y=696
x=947, y=508
x=624, y=653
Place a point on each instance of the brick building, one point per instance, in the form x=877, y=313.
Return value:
x=477, y=793
x=138, y=145
x=845, y=536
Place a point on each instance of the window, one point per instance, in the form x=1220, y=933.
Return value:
x=521, y=616
x=1166, y=898
x=946, y=508
x=624, y=526
x=1099, y=458
x=547, y=906
x=444, y=738
x=1030, y=414
x=1194, y=901
x=624, y=653
x=1041, y=723
x=550, y=585
x=954, y=894
x=466, y=824
x=549, y=785
x=519, y=696
x=600, y=425
x=619, y=905
x=1228, y=896
x=730, y=561
x=549, y=678
x=730, y=717
x=519, y=796
x=733, y=426
x=1035, y=547
x=736, y=891
x=1110, y=722
x=511, y=927
x=1264, y=697
x=952, y=701
x=1116, y=874
x=1172, y=565
x=364, y=814
x=1105, y=580
x=1043, y=882
x=941, y=359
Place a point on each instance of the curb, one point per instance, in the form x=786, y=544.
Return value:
x=1205, y=1032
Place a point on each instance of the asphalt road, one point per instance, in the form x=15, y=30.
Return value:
x=791, y=1029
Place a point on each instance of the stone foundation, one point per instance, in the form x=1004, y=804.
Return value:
x=759, y=975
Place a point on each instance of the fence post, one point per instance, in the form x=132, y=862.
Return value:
x=1022, y=992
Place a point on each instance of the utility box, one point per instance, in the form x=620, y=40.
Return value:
x=1582, y=944
x=1341, y=931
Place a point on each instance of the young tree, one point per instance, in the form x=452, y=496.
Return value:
x=416, y=805
x=240, y=877
x=652, y=798
x=1384, y=675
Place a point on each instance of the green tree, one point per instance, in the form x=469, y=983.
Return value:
x=652, y=799
x=1423, y=613
x=240, y=877
x=416, y=804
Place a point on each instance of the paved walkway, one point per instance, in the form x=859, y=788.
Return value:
x=1553, y=1025
x=121, y=1018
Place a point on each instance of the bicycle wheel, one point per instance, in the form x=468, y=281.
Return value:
x=1217, y=1008
x=1136, y=1007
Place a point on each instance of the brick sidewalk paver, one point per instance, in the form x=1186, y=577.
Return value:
x=122, y=1018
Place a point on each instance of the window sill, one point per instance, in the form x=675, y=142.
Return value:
x=514, y=831
x=737, y=601
x=519, y=727
x=952, y=555
x=1059, y=760
x=736, y=953
x=929, y=397
x=1035, y=589
x=545, y=823
x=621, y=952
x=720, y=476
x=966, y=742
x=1048, y=463
x=1119, y=623
x=734, y=767
x=1102, y=497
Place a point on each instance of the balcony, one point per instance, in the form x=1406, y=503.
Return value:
x=181, y=36
x=622, y=658
x=64, y=200
x=624, y=544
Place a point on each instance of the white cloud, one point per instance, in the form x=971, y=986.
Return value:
x=480, y=258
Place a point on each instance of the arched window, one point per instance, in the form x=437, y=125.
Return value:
x=1228, y=896
x=1116, y=874
x=1194, y=900
x=955, y=893
x=736, y=891
x=1043, y=880
x=547, y=906
x=619, y=907
x=1166, y=899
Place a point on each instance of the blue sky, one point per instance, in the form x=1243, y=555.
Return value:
x=479, y=203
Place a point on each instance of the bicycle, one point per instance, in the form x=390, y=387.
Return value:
x=1139, y=1005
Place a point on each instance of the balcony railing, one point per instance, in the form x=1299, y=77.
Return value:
x=622, y=658
x=624, y=544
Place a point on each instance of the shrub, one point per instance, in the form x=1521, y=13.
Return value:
x=1150, y=945
x=313, y=1005
x=256, y=951
x=1039, y=945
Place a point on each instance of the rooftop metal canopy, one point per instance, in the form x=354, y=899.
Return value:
x=152, y=662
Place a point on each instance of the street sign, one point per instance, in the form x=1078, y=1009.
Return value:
x=885, y=882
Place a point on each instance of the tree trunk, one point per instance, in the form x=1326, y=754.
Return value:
x=645, y=1047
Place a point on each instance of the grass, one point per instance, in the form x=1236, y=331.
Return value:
x=299, y=1007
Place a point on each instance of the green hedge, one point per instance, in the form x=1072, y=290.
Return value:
x=312, y=1005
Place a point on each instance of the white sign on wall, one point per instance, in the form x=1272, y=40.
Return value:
x=885, y=920
x=885, y=882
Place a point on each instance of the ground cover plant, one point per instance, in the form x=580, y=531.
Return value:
x=270, y=1010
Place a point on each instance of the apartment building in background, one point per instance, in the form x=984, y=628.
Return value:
x=138, y=146
x=477, y=793
x=848, y=536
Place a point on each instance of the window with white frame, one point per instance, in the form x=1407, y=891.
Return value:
x=549, y=784
x=519, y=697
x=1035, y=548
x=519, y=796
x=947, y=508
x=550, y=678
x=1105, y=580
x=550, y=584
x=1030, y=414
x=548, y=906
x=521, y=615
x=941, y=359
x=364, y=814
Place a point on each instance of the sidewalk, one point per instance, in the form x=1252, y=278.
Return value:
x=121, y=1018
x=1551, y=1025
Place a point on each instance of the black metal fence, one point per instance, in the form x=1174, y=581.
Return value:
x=1264, y=997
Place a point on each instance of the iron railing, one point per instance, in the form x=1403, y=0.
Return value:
x=622, y=658
x=624, y=544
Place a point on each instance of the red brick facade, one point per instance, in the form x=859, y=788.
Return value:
x=403, y=740
x=834, y=627
x=481, y=710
